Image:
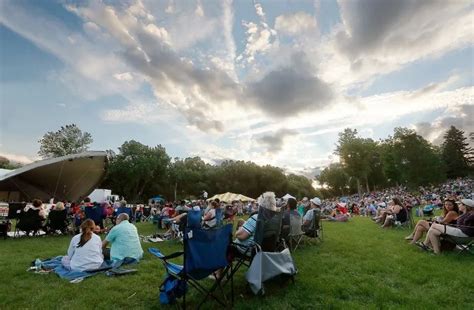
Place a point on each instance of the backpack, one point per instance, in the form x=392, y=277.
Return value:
x=171, y=289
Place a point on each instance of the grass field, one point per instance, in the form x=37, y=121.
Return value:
x=358, y=266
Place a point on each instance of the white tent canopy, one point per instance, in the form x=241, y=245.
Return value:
x=287, y=196
x=229, y=197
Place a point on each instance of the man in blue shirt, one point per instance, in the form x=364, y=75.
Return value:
x=124, y=240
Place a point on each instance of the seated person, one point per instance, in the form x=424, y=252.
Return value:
x=165, y=215
x=450, y=215
x=209, y=218
x=57, y=218
x=124, y=240
x=230, y=211
x=341, y=207
x=32, y=217
x=337, y=216
x=291, y=205
x=310, y=214
x=85, y=249
x=397, y=213
x=371, y=210
x=245, y=233
x=464, y=227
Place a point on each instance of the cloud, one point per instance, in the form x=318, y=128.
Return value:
x=386, y=34
x=461, y=117
x=436, y=87
x=274, y=142
x=289, y=90
x=295, y=24
x=260, y=39
x=259, y=10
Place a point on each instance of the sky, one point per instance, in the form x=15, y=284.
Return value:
x=272, y=82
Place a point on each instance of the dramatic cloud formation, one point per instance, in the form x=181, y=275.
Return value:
x=379, y=36
x=230, y=79
x=287, y=91
x=461, y=117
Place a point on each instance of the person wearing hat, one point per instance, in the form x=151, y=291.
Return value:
x=464, y=227
x=245, y=234
x=309, y=216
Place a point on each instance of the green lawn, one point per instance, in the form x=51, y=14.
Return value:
x=358, y=265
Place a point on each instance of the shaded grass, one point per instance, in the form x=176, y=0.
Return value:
x=358, y=265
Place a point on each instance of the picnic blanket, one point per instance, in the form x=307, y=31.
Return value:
x=111, y=268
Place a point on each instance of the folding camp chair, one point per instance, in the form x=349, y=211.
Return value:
x=296, y=232
x=29, y=221
x=124, y=210
x=267, y=239
x=463, y=244
x=146, y=214
x=266, y=236
x=95, y=213
x=57, y=220
x=205, y=252
x=316, y=226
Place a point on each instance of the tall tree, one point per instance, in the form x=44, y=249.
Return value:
x=188, y=177
x=67, y=140
x=138, y=172
x=418, y=162
x=355, y=154
x=455, y=152
x=335, y=177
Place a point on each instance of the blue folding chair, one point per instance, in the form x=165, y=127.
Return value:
x=124, y=210
x=194, y=219
x=205, y=252
x=95, y=213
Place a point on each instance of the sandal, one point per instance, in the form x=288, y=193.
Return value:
x=409, y=238
x=424, y=247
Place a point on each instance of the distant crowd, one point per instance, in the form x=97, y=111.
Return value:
x=390, y=207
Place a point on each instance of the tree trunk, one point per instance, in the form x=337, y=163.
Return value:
x=358, y=188
x=367, y=184
x=175, y=190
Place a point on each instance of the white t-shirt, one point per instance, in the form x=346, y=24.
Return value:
x=89, y=256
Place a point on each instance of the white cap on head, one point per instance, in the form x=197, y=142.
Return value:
x=467, y=202
x=316, y=201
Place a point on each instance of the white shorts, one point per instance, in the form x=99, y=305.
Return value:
x=449, y=230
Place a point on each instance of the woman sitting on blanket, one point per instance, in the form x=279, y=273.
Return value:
x=450, y=215
x=464, y=228
x=85, y=249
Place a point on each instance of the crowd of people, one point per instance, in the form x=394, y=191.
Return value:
x=395, y=206
x=387, y=208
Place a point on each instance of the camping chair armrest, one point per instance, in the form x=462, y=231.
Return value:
x=173, y=255
x=249, y=247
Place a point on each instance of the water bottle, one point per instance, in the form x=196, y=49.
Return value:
x=38, y=264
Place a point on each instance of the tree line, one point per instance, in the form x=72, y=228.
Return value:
x=405, y=158
x=139, y=172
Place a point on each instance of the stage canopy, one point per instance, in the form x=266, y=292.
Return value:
x=70, y=177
